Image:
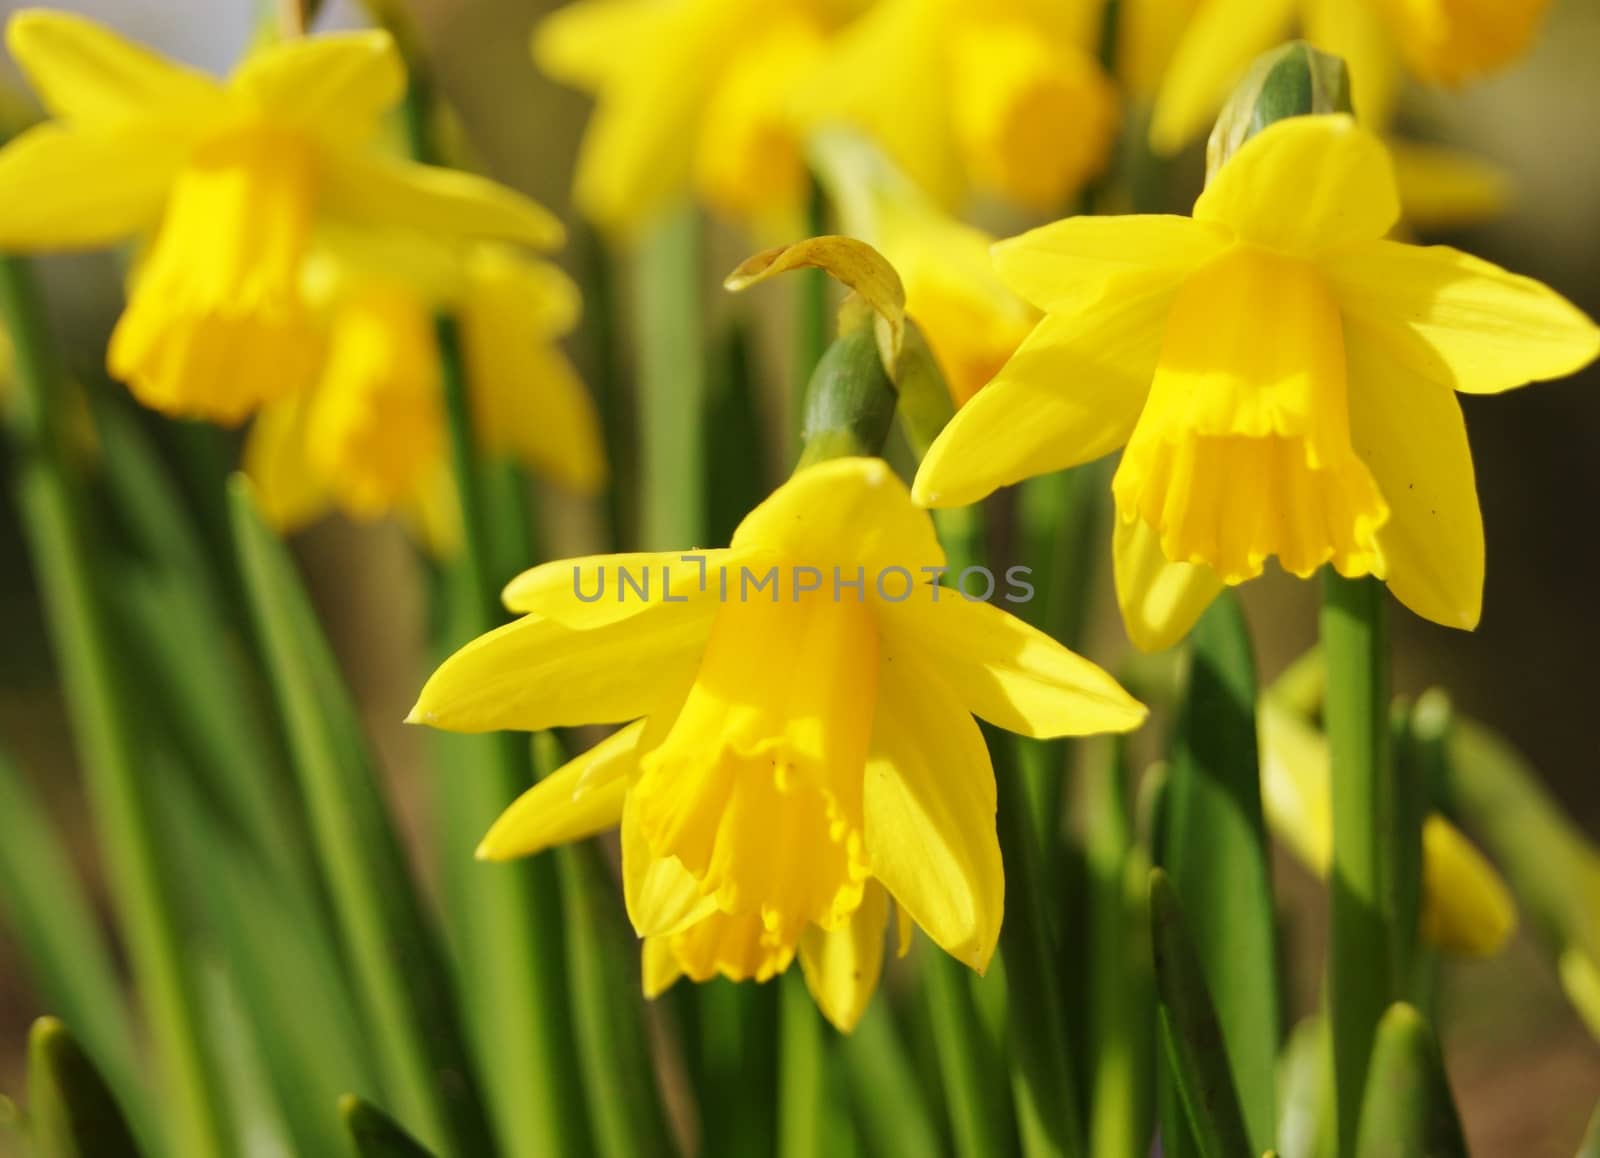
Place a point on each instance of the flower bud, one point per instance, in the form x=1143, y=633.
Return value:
x=1293, y=80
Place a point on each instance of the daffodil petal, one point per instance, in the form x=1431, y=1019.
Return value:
x=661, y=896
x=338, y=85
x=577, y=43
x=1444, y=188
x=1305, y=185
x=1357, y=34
x=288, y=491
x=886, y=74
x=845, y=508
x=1075, y=263
x=1295, y=794
x=842, y=965
x=69, y=188
x=1460, y=320
x=1466, y=907
x=1070, y=394
x=434, y=200
x=1160, y=600
x=658, y=966
x=1409, y=431
x=1221, y=40
x=536, y=673
x=582, y=797
x=596, y=590
x=84, y=72
x=1005, y=671
x=929, y=804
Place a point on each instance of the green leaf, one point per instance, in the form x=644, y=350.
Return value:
x=46, y=909
x=736, y=462
x=625, y=1112
x=1215, y=851
x=97, y=674
x=283, y=973
x=1121, y=1013
x=891, y=1107
x=72, y=1113
x=387, y=938
x=1191, y=1034
x=1408, y=1109
x=375, y=1134
x=672, y=382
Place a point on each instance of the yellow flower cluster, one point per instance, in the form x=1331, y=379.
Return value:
x=233, y=190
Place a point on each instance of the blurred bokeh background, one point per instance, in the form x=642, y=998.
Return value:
x=1526, y=1071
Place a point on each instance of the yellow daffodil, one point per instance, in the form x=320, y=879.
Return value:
x=368, y=438
x=691, y=95
x=799, y=751
x=1466, y=907
x=232, y=178
x=1438, y=41
x=973, y=323
x=1280, y=376
x=1004, y=98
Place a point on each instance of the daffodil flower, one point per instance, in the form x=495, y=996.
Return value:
x=795, y=755
x=368, y=438
x=1004, y=98
x=232, y=178
x=1437, y=41
x=692, y=95
x=1280, y=376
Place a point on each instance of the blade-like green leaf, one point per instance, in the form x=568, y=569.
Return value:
x=283, y=974
x=1191, y=1034
x=1408, y=1111
x=625, y=1111
x=1121, y=1014
x=72, y=1113
x=1215, y=852
x=65, y=954
x=375, y=1134
x=386, y=935
x=891, y=1107
x=97, y=675
x=672, y=382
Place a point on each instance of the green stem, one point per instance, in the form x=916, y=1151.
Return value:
x=96, y=679
x=672, y=383
x=508, y=918
x=973, y=1098
x=810, y=318
x=1357, y=724
x=803, y=1106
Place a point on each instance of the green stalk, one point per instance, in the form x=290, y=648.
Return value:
x=672, y=383
x=1357, y=724
x=397, y=971
x=803, y=1107
x=1121, y=1021
x=810, y=318
x=973, y=1096
x=107, y=731
x=508, y=918
x=890, y=1106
